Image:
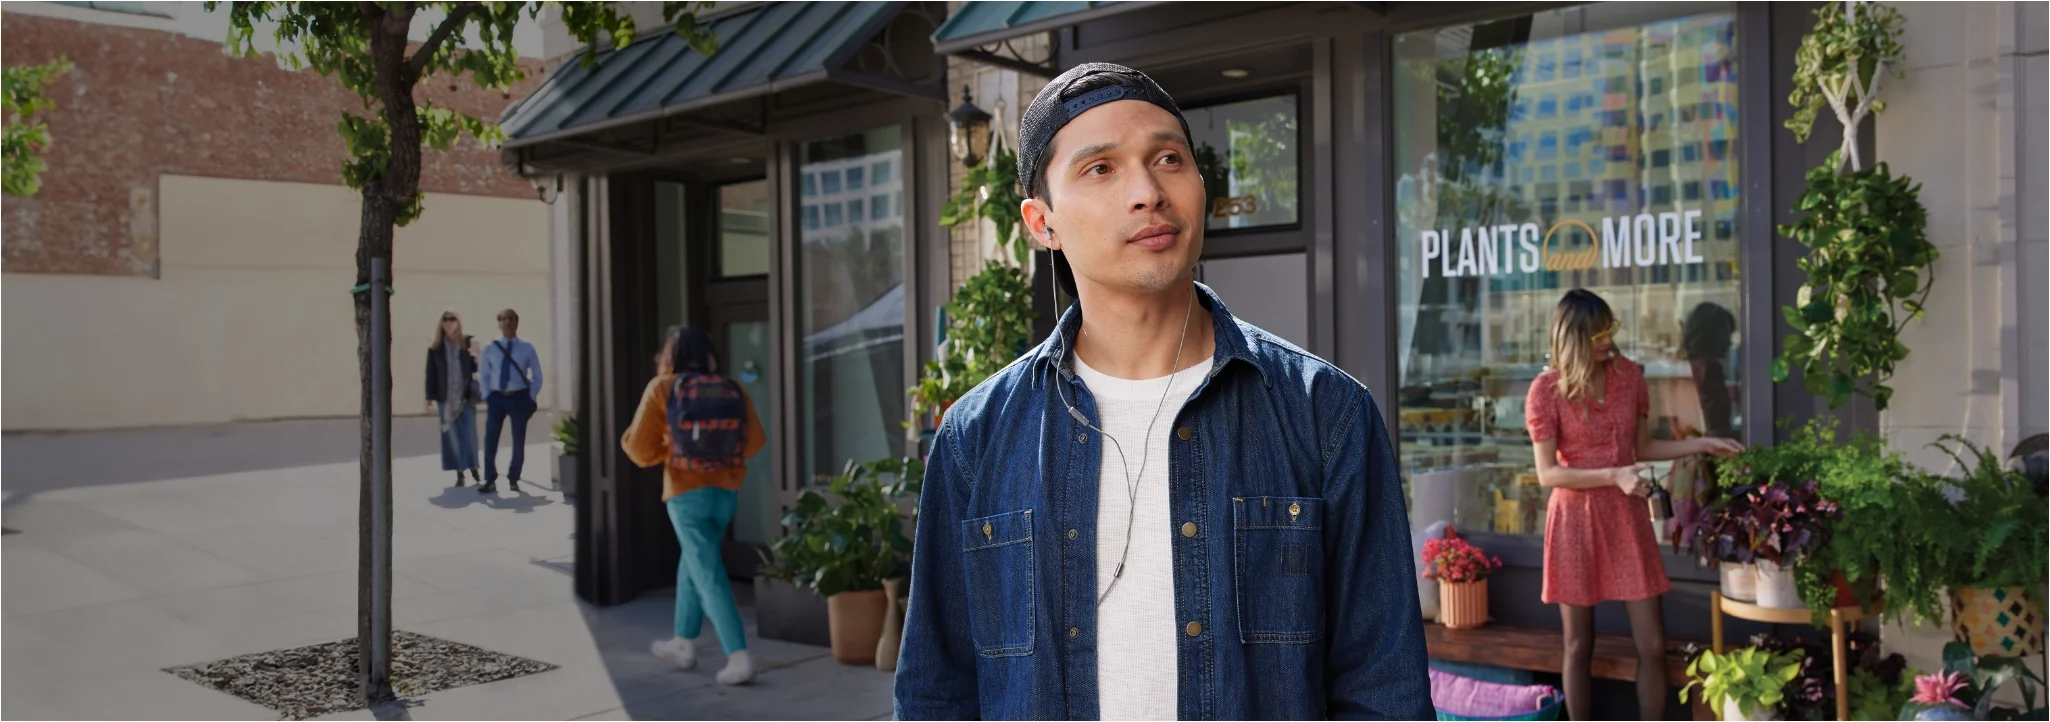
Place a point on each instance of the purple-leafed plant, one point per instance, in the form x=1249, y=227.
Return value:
x=1776, y=522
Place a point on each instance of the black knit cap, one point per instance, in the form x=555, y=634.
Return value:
x=1065, y=98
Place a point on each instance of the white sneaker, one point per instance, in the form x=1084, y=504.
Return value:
x=679, y=651
x=739, y=669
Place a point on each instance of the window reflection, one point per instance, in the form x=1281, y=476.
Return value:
x=1540, y=154
x=1250, y=158
x=851, y=285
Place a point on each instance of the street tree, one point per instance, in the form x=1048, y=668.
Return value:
x=25, y=135
x=367, y=47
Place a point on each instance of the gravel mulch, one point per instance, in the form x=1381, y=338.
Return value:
x=321, y=679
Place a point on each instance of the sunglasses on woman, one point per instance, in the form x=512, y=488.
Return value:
x=1607, y=333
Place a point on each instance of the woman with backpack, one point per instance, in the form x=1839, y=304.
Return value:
x=701, y=427
x=452, y=395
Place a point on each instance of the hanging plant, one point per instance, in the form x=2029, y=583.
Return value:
x=1869, y=257
x=991, y=191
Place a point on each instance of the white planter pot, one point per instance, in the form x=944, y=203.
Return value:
x=1776, y=589
x=1733, y=711
x=1740, y=582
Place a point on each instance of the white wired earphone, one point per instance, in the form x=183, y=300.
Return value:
x=1131, y=482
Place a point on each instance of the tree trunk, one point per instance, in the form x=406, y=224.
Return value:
x=384, y=198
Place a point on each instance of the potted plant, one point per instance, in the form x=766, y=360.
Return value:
x=989, y=322
x=568, y=447
x=842, y=544
x=1743, y=684
x=1786, y=522
x=1878, y=685
x=1999, y=566
x=1773, y=525
x=1462, y=573
x=1896, y=525
x=1719, y=542
x=1964, y=690
x=1718, y=530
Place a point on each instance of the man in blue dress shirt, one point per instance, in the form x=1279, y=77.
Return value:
x=510, y=373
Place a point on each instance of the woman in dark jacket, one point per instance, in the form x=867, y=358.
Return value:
x=452, y=395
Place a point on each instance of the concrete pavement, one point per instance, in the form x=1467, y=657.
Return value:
x=109, y=582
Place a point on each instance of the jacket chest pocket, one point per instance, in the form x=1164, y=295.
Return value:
x=1001, y=572
x=1279, y=559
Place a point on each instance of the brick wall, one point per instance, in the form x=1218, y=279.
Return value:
x=971, y=245
x=140, y=103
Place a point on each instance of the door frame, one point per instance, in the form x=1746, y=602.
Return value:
x=733, y=306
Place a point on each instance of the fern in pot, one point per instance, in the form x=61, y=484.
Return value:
x=2000, y=563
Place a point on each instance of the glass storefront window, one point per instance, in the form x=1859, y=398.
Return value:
x=1250, y=156
x=1586, y=147
x=851, y=306
x=744, y=229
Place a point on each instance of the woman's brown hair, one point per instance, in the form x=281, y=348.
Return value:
x=1579, y=317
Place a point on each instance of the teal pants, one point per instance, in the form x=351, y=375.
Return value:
x=700, y=518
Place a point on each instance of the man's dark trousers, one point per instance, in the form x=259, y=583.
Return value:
x=520, y=407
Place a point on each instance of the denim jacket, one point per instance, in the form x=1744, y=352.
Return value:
x=1295, y=598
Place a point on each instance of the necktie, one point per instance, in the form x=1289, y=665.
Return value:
x=505, y=367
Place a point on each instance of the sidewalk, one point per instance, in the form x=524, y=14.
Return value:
x=106, y=584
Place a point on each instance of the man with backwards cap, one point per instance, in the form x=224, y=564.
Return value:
x=1162, y=511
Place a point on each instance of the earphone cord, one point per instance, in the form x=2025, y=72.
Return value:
x=1132, y=482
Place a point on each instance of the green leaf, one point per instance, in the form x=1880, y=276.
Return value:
x=1793, y=317
x=1819, y=310
x=1840, y=389
x=1779, y=369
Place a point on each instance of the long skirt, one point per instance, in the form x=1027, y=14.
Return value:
x=459, y=441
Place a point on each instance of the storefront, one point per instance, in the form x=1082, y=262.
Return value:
x=1405, y=190
x=1408, y=189
x=784, y=196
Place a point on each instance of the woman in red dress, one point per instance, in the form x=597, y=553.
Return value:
x=1586, y=419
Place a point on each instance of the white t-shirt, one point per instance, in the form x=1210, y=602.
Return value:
x=1136, y=629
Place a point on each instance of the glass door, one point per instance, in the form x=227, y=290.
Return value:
x=743, y=338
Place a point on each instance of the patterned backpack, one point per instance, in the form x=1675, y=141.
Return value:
x=707, y=423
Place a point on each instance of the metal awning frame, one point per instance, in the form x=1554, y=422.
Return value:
x=962, y=46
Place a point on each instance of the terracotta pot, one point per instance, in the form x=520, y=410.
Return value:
x=2001, y=621
x=1847, y=593
x=856, y=621
x=893, y=625
x=1463, y=605
x=941, y=413
x=1776, y=587
x=1740, y=582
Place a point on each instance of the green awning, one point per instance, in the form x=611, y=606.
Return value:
x=762, y=49
x=980, y=23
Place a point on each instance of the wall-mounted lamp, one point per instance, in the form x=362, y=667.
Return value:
x=968, y=129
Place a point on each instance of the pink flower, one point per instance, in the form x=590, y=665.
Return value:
x=1938, y=689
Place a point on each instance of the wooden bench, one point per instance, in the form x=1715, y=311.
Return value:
x=1543, y=650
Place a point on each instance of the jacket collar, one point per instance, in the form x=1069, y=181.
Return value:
x=1231, y=340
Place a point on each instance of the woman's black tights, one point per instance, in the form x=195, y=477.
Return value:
x=1647, y=629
